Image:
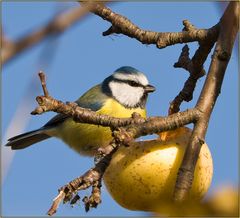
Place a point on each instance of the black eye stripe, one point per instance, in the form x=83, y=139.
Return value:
x=129, y=82
x=133, y=83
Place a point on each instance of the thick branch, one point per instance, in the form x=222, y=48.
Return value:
x=59, y=24
x=82, y=115
x=222, y=53
x=155, y=125
x=122, y=25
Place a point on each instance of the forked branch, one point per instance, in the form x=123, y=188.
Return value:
x=92, y=178
x=122, y=25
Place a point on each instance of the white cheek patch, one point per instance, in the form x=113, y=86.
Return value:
x=126, y=94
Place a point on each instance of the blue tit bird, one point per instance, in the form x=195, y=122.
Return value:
x=119, y=95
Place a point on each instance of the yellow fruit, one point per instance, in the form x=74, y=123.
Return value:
x=143, y=175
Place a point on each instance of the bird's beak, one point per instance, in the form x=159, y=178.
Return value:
x=149, y=88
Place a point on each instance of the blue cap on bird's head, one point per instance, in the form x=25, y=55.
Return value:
x=127, y=69
x=128, y=86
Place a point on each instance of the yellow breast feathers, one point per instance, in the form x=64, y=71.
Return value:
x=87, y=138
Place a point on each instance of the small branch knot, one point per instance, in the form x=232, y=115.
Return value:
x=75, y=199
x=137, y=118
x=188, y=26
x=111, y=30
x=161, y=43
x=201, y=141
x=122, y=136
x=183, y=60
x=40, y=100
x=224, y=56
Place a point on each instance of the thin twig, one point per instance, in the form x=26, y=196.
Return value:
x=194, y=66
x=42, y=77
x=92, y=178
x=56, y=26
x=95, y=198
x=56, y=202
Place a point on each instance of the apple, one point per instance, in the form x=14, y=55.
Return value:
x=143, y=175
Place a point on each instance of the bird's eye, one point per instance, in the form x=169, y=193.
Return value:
x=133, y=83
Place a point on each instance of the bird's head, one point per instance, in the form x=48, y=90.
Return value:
x=128, y=86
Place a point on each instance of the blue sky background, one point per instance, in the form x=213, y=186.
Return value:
x=81, y=58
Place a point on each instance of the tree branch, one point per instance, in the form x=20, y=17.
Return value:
x=195, y=68
x=122, y=25
x=222, y=53
x=92, y=178
x=56, y=26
